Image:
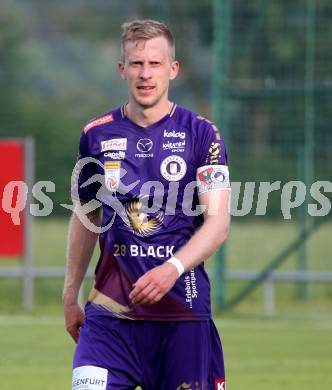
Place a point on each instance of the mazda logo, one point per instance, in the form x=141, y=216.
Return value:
x=144, y=145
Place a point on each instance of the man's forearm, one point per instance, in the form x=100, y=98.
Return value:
x=203, y=243
x=81, y=243
x=213, y=232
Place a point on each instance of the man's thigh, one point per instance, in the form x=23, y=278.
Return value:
x=186, y=355
x=105, y=358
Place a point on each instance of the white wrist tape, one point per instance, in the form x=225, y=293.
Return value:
x=177, y=263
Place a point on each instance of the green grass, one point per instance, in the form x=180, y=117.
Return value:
x=260, y=354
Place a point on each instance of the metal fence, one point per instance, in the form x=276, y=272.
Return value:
x=260, y=69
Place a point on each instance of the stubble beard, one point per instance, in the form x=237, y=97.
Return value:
x=149, y=104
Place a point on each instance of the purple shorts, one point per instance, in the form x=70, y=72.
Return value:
x=172, y=355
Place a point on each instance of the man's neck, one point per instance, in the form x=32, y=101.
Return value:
x=146, y=116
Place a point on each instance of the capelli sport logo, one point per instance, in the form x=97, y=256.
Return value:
x=220, y=384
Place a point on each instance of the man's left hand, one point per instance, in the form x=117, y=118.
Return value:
x=154, y=284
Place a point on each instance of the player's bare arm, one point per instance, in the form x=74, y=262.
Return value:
x=153, y=285
x=213, y=232
x=81, y=243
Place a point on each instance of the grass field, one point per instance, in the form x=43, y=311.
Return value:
x=291, y=351
x=260, y=354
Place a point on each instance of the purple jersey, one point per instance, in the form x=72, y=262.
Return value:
x=147, y=180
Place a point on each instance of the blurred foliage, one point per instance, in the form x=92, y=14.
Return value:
x=58, y=69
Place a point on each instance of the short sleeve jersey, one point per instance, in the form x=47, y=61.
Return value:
x=148, y=180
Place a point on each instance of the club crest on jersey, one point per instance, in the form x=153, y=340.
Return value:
x=112, y=175
x=173, y=168
x=114, y=144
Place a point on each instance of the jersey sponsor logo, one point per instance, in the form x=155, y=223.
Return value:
x=115, y=155
x=144, y=145
x=212, y=177
x=191, y=290
x=112, y=175
x=160, y=251
x=173, y=168
x=174, y=134
x=114, y=144
x=174, y=146
x=138, y=221
x=98, y=122
x=89, y=378
x=220, y=384
x=152, y=251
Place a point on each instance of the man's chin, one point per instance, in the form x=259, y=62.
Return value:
x=147, y=103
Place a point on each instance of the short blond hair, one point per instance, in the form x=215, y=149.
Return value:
x=143, y=30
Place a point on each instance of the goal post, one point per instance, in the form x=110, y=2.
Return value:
x=17, y=170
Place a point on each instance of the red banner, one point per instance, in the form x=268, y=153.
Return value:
x=11, y=226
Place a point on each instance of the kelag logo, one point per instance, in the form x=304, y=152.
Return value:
x=174, y=134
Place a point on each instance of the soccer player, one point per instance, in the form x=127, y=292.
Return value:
x=153, y=175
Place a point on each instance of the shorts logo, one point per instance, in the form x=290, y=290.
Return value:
x=173, y=168
x=89, y=378
x=183, y=386
x=144, y=145
x=193, y=386
x=220, y=384
x=112, y=174
x=114, y=144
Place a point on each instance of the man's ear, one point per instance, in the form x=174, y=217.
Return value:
x=121, y=70
x=175, y=66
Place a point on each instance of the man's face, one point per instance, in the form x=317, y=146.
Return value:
x=148, y=68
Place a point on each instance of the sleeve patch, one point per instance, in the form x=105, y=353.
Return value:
x=97, y=122
x=212, y=177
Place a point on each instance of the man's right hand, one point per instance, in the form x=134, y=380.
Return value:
x=74, y=317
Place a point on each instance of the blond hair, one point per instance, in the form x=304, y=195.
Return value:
x=143, y=30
